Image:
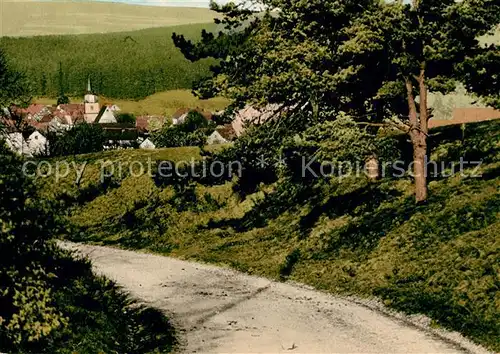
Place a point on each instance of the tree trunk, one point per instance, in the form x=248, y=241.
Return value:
x=418, y=134
x=419, y=166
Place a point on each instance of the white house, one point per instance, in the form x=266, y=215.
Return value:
x=222, y=135
x=37, y=144
x=147, y=145
x=106, y=115
x=16, y=143
x=216, y=138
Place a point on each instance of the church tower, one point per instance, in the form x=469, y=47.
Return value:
x=91, y=103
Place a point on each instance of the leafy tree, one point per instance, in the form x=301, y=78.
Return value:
x=192, y=132
x=194, y=121
x=14, y=91
x=125, y=118
x=43, y=85
x=374, y=60
x=62, y=98
x=84, y=138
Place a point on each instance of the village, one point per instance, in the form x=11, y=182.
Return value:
x=26, y=129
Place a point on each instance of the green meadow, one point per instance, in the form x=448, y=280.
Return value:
x=34, y=18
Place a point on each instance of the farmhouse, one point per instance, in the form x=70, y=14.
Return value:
x=105, y=116
x=222, y=135
x=252, y=115
x=33, y=112
x=147, y=145
x=74, y=112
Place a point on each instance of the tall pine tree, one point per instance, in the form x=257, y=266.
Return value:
x=375, y=60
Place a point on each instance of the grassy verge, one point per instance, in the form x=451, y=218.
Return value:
x=349, y=237
x=100, y=317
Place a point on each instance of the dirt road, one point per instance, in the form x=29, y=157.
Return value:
x=218, y=310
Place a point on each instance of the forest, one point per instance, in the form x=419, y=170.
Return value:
x=124, y=65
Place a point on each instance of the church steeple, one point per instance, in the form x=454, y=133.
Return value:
x=91, y=103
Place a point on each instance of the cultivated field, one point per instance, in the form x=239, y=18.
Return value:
x=33, y=18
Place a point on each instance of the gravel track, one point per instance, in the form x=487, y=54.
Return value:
x=218, y=310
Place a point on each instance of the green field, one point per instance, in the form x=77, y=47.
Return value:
x=34, y=18
x=127, y=65
x=162, y=103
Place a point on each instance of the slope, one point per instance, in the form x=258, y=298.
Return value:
x=126, y=65
x=35, y=18
x=350, y=237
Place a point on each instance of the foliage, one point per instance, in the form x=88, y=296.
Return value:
x=13, y=87
x=81, y=139
x=61, y=98
x=192, y=132
x=125, y=118
x=370, y=59
x=133, y=66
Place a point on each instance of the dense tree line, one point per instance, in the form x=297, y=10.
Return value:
x=129, y=65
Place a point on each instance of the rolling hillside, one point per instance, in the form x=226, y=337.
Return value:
x=33, y=18
x=351, y=236
x=127, y=65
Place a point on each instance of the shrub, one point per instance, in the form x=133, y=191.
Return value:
x=192, y=132
x=27, y=310
x=82, y=139
x=125, y=118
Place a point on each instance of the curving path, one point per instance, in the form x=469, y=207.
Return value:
x=217, y=310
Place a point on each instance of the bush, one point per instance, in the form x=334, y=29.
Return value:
x=82, y=139
x=192, y=132
x=125, y=118
x=27, y=309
